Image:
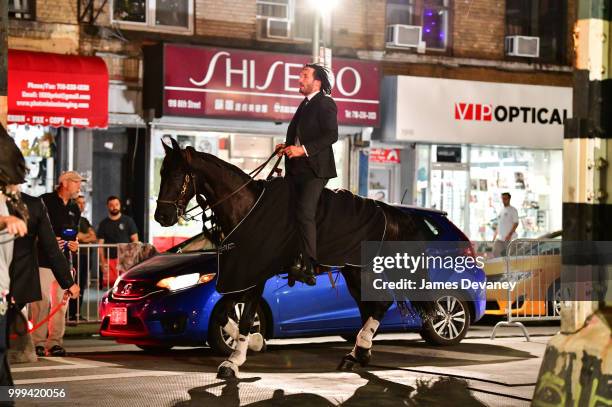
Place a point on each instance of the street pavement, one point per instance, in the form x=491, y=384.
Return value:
x=298, y=372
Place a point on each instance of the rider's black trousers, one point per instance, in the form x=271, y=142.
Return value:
x=306, y=188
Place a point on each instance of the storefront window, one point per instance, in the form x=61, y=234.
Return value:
x=384, y=174
x=380, y=183
x=421, y=184
x=37, y=144
x=470, y=190
x=532, y=177
x=340, y=153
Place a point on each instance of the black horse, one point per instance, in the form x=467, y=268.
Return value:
x=13, y=171
x=232, y=194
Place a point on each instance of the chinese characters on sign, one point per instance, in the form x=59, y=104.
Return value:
x=257, y=85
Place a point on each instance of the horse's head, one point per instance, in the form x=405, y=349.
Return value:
x=12, y=166
x=176, y=187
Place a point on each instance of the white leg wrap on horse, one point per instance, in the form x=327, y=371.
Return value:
x=256, y=342
x=364, y=337
x=231, y=328
x=238, y=356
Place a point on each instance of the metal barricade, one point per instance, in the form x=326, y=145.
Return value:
x=534, y=267
x=96, y=269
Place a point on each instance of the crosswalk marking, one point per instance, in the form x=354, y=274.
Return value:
x=131, y=373
x=67, y=364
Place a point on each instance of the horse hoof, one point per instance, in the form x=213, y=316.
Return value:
x=363, y=356
x=227, y=371
x=347, y=363
x=256, y=342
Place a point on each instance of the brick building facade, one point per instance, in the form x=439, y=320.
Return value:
x=470, y=48
x=357, y=31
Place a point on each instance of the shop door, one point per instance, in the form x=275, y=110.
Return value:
x=382, y=181
x=118, y=169
x=449, y=191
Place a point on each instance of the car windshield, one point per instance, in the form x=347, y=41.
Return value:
x=197, y=243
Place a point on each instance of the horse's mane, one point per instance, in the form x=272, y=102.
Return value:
x=222, y=164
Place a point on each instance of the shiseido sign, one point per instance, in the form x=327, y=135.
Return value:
x=257, y=85
x=450, y=111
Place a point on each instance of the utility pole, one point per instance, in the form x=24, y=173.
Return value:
x=316, y=28
x=576, y=369
x=3, y=61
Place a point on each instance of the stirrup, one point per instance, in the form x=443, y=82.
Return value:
x=302, y=276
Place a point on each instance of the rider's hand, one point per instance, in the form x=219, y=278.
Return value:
x=279, y=149
x=294, y=151
x=14, y=225
x=60, y=242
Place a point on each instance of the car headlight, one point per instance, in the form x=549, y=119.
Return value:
x=184, y=281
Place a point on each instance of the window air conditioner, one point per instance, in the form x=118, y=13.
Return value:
x=522, y=46
x=277, y=28
x=407, y=36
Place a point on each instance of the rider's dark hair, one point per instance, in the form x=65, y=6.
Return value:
x=321, y=73
x=507, y=194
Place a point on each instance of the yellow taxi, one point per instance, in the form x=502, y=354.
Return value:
x=533, y=269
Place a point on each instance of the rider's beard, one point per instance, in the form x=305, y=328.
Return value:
x=114, y=212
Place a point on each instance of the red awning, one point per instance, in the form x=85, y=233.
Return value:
x=57, y=90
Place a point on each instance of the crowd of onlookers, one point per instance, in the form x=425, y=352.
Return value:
x=39, y=254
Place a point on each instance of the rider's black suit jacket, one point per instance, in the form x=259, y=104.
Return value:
x=316, y=123
x=25, y=277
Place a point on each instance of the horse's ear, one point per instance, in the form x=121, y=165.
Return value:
x=175, y=144
x=167, y=148
x=189, y=151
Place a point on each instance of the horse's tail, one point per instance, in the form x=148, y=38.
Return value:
x=402, y=226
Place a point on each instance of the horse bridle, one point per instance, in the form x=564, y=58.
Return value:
x=180, y=204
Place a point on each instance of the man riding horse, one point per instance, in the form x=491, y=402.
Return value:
x=309, y=161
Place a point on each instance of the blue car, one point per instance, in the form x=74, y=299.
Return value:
x=170, y=300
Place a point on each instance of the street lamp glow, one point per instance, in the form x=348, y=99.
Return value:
x=324, y=5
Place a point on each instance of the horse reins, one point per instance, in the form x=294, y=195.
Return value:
x=180, y=205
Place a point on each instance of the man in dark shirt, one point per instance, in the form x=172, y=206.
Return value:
x=116, y=228
x=64, y=214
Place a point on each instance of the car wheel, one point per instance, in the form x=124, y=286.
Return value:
x=220, y=341
x=554, y=299
x=449, y=324
x=155, y=349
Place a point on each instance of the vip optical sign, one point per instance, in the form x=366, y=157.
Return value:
x=510, y=114
x=455, y=111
